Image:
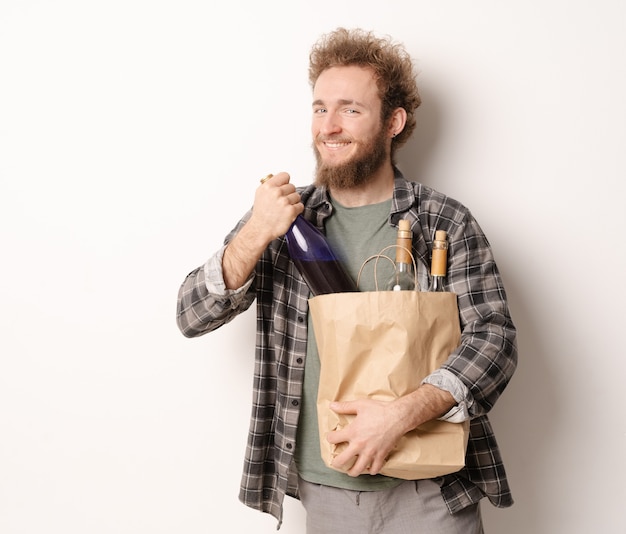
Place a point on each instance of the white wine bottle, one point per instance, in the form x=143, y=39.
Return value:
x=403, y=278
x=438, y=264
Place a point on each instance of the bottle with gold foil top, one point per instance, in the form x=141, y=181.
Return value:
x=314, y=258
x=438, y=265
x=403, y=278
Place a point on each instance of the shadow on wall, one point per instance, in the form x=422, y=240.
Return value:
x=524, y=417
x=525, y=420
x=415, y=157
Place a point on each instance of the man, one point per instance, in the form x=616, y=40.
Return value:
x=364, y=100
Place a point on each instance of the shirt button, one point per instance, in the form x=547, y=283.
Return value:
x=289, y=446
x=299, y=360
x=295, y=402
x=300, y=319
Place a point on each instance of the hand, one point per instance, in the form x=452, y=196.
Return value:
x=276, y=205
x=369, y=438
x=374, y=432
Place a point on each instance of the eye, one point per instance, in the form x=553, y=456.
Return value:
x=319, y=110
x=351, y=111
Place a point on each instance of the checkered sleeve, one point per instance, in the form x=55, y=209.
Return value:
x=204, y=304
x=487, y=357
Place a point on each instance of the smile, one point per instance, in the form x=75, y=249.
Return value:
x=332, y=145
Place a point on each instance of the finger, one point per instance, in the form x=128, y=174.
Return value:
x=286, y=189
x=344, y=407
x=293, y=198
x=361, y=465
x=337, y=436
x=376, y=465
x=345, y=460
x=276, y=179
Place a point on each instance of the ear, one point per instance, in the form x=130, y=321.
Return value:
x=397, y=121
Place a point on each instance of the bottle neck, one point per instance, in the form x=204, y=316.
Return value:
x=404, y=246
x=402, y=267
x=436, y=284
x=438, y=262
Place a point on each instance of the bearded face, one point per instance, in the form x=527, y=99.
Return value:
x=369, y=156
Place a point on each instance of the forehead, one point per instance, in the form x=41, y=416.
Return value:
x=351, y=83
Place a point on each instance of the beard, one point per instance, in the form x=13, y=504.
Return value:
x=356, y=171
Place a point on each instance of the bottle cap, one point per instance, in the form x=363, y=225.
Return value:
x=404, y=229
x=404, y=225
x=404, y=242
x=440, y=254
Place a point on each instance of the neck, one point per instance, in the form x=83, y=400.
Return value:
x=378, y=188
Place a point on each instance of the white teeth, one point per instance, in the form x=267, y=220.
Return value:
x=336, y=145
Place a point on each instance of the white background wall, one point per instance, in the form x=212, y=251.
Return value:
x=132, y=136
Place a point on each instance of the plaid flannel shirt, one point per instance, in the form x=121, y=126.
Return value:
x=484, y=362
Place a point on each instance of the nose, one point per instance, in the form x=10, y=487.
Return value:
x=329, y=124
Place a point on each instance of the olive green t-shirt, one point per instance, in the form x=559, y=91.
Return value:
x=355, y=234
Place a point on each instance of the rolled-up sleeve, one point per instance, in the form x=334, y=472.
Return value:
x=204, y=303
x=214, y=280
x=447, y=381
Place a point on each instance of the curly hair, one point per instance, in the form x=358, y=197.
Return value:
x=392, y=66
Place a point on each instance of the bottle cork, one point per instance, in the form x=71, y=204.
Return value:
x=404, y=242
x=438, y=266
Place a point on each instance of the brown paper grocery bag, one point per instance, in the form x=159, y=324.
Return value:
x=380, y=345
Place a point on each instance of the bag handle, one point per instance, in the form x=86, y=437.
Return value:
x=381, y=255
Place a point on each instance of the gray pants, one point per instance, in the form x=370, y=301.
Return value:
x=413, y=507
